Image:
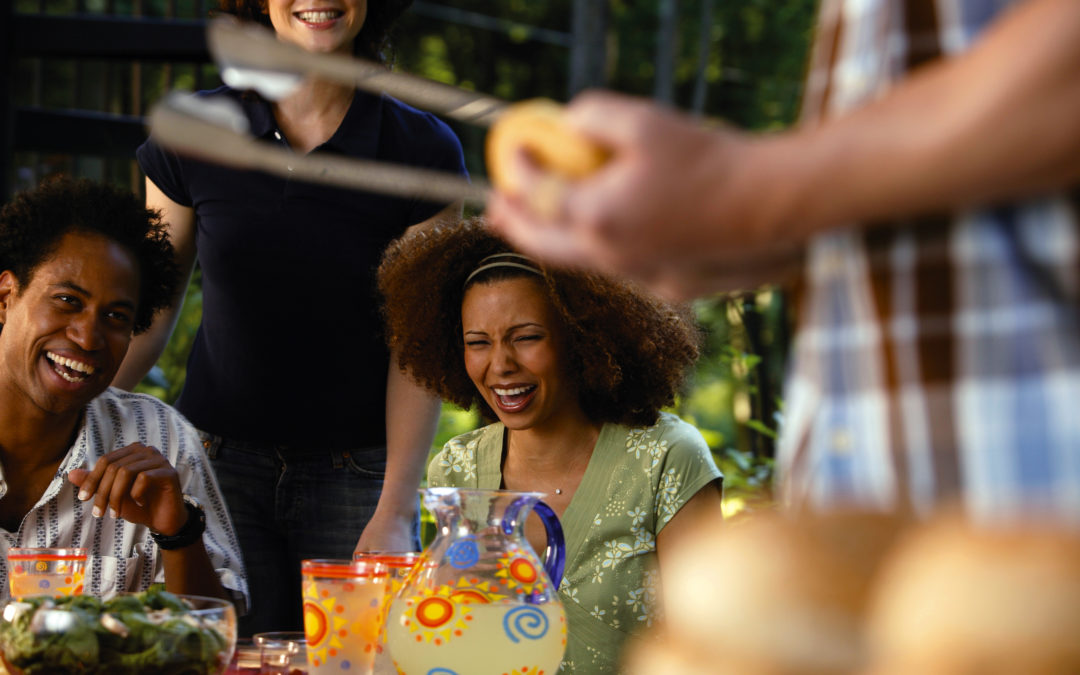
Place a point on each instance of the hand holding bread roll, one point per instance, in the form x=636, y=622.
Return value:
x=538, y=127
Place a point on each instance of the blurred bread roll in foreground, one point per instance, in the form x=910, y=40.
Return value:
x=953, y=600
x=768, y=595
x=537, y=127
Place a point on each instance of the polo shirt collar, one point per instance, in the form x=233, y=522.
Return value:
x=357, y=136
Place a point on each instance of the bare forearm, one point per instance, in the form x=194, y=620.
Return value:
x=779, y=266
x=997, y=123
x=689, y=210
x=145, y=350
x=412, y=415
x=189, y=570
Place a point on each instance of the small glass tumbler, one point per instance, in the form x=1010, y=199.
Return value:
x=398, y=565
x=343, y=614
x=282, y=652
x=245, y=660
x=46, y=571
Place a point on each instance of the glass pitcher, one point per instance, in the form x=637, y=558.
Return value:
x=480, y=602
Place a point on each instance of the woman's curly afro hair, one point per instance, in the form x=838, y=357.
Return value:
x=629, y=351
x=34, y=222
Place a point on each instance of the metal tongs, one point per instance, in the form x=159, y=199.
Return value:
x=251, y=57
x=216, y=130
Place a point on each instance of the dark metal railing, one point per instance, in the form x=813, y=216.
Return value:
x=73, y=89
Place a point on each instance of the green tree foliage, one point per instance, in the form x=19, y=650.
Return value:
x=166, y=379
x=753, y=68
x=505, y=63
x=734, y=394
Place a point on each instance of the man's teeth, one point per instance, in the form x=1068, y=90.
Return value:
x=72, y=364
x=511, y=392
x=318, y=16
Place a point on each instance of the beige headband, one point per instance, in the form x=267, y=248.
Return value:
x=500, y=260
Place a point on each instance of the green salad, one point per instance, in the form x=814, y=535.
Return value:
x=150, y=632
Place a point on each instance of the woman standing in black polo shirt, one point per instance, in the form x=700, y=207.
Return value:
x=307, y=425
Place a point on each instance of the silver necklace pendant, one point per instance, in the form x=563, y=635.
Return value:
x=558, y=491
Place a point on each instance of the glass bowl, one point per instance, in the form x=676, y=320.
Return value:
x=133, y=633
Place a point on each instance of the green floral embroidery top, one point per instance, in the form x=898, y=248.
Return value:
x=636, y=481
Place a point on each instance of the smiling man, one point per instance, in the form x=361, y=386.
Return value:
x=83, y=268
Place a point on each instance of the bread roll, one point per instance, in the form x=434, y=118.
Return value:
x=774, y=594
x=537, y=126
x=955, y=600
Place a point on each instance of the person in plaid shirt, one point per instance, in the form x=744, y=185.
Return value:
x=925, y=212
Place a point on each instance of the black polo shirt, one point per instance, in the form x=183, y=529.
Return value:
x=290, y=349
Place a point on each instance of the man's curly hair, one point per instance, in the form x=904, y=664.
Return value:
x=34, y=222
x=629, y=351
x=372, y=43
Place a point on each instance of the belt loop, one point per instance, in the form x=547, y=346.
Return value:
x=335, y=457
x=210, y=443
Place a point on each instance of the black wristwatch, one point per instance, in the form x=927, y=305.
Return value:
x=191, y=532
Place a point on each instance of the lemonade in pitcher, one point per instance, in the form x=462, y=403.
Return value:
x=464, y=637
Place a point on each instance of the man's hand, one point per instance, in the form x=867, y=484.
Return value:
x=671, y=207
x=135, y=483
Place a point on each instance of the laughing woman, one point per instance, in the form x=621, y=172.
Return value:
x=575, y=368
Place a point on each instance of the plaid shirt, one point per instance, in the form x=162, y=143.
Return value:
x=936, y=358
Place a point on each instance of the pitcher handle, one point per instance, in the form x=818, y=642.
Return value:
x=555, y=552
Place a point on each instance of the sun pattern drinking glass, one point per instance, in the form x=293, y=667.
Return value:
x=46, y=571
x=398, y=564
x=343, y=612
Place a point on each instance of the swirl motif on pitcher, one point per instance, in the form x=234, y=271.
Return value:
x=463, y=554
x=526, y=622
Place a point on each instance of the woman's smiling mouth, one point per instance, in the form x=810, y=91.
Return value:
x=513, y=399
x=318, y=16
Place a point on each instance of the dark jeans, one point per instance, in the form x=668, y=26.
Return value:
x=288, y=504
